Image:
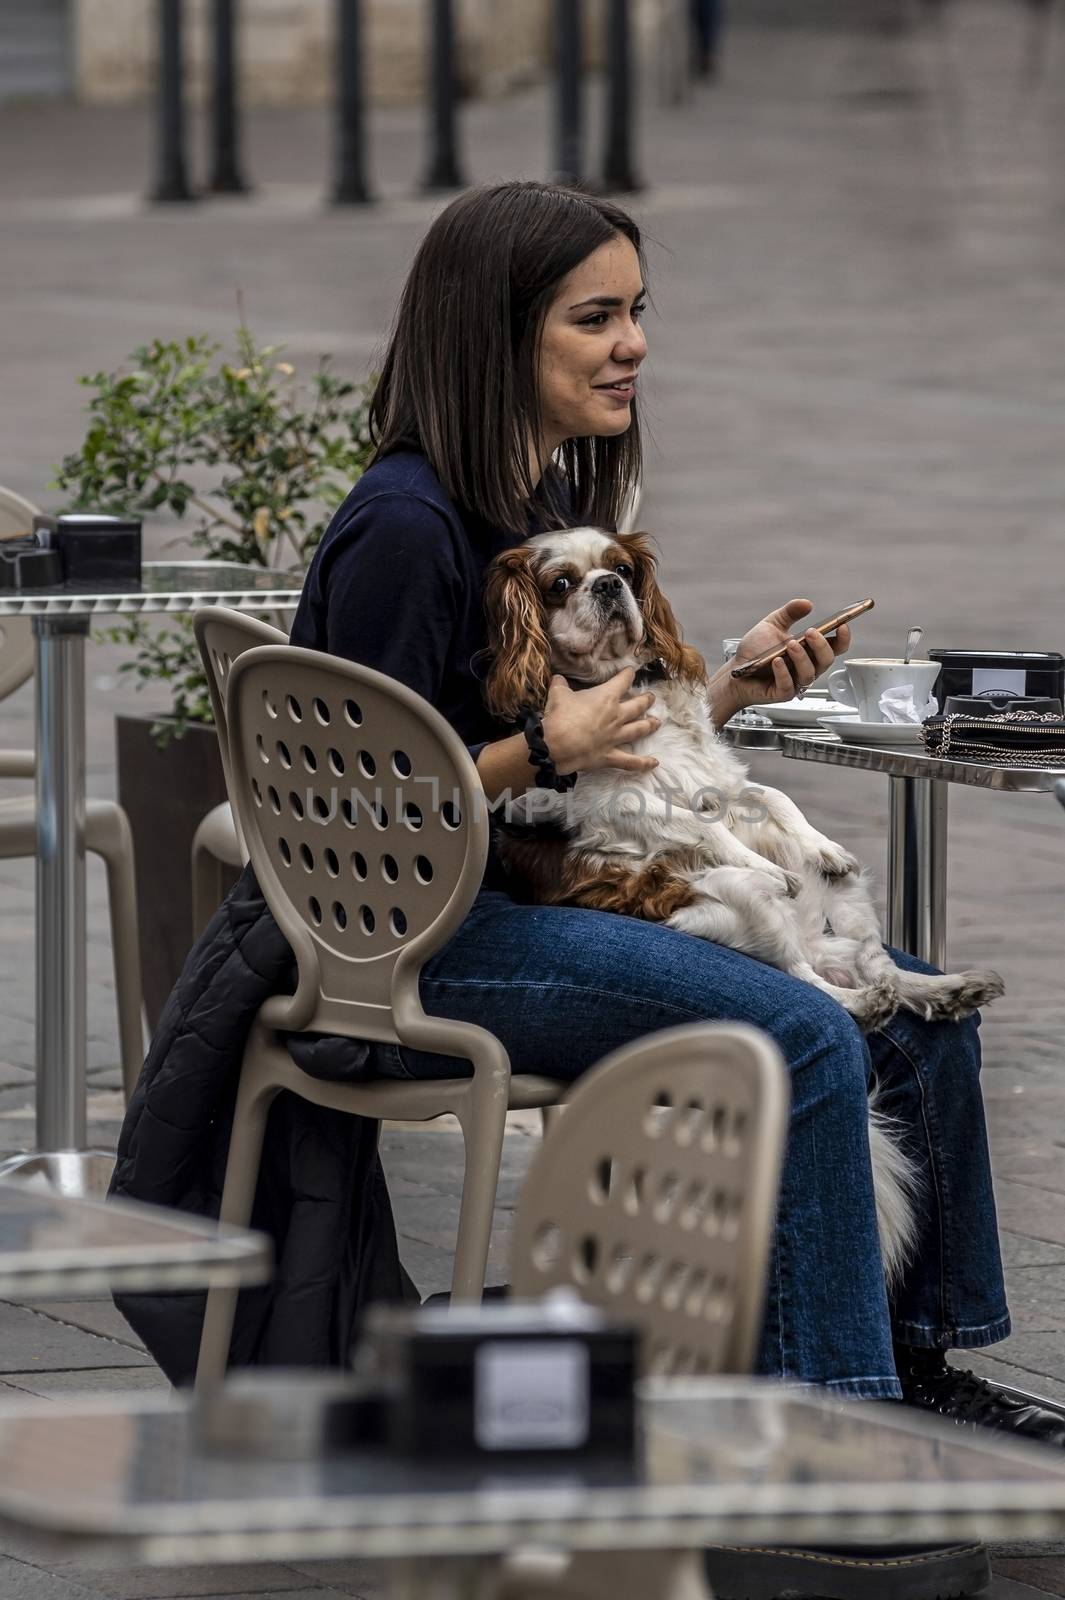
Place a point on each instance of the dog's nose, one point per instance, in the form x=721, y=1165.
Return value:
x=608, y=587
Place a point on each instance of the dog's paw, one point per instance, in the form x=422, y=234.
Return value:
x=873, y=1006
x=832, y=861
x=779, y=881
x=959, y=994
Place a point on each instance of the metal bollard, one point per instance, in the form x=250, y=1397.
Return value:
x=225, y=165
x=350, y=187
x=443, y=170
x=618, y=173
x=171, y=181
x=568, y=102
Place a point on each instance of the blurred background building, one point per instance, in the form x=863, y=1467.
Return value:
x=102, y=51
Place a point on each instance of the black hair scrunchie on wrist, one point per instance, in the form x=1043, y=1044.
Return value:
x=540, y=756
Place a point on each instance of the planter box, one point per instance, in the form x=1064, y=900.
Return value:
x=166, y=793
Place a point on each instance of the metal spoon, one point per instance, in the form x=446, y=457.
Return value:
x=913, y=638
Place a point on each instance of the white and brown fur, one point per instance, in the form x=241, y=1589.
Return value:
x=692, y=843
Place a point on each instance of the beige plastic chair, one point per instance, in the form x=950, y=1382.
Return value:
x=221, y=635
x=654, y=1196
x=107, y=831
x=367, y=827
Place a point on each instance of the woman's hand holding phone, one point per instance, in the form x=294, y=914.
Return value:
x=805, y=658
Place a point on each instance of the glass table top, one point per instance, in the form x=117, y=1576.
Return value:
x=722, y=1461
x=165, y=586
x=51, y=1244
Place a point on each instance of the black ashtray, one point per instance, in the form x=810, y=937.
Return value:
x=522, y=1383
x=991, y=704
x=25, y=565
x=92, y=546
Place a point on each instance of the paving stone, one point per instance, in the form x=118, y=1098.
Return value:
x=1037, y=1298
x=1042, y=1573
x=31, y=1342
x=429, y=1266
x=1018, y=1251
x=91, y=1380
x=1035, y=1212
x=1004, y=1587
x=94, y=1316
x=19, y=1581
x=205, y=1583
x=1039, y=1358
x=366, y=1579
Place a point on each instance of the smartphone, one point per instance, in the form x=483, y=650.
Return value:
x=830, y=624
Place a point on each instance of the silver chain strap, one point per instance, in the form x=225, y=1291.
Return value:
x=1014, y=758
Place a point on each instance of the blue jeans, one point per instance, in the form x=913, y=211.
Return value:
x=561, y=987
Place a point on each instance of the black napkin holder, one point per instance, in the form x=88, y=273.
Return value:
x=502, y=1381
x=25, y=565
x=93, y=547
x=1011, y=673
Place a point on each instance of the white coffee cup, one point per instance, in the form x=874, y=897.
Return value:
x=859, y=684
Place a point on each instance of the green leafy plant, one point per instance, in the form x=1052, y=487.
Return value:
x=254, y=458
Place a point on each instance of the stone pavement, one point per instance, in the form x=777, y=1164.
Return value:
x=855, y=387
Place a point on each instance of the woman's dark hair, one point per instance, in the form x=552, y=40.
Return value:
x=459, y=381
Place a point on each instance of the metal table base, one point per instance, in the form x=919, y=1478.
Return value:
x=62, y=617
x=60, y=981
x=917, y=868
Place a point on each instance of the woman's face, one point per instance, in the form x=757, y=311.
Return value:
x=591, y=348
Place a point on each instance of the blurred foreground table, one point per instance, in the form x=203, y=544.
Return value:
x=62, y=616
x=724, y=1461
x=53, y=1245
x=917, y=825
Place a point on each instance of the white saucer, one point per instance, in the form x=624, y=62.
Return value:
x=854, y=731
x=803, y=713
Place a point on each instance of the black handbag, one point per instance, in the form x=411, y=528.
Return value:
x=1019, y=735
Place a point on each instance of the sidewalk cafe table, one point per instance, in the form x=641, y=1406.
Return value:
x=724, y=1461
x=52, y=1244
x=62, y=617
x=917, y=825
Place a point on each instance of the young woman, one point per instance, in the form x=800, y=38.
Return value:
x=507, y=402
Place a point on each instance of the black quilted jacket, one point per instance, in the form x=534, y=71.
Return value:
x=321, y=1194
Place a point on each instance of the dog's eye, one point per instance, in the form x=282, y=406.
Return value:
x=623, y=570
x=559, y=586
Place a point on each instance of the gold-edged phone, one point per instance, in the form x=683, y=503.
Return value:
x=830, y=624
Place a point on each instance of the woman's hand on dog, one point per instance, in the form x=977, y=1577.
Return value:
x=586, y=729
x=805, y=659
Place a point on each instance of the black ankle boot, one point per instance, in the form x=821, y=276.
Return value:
x=929, y=1383
x=901, y=1572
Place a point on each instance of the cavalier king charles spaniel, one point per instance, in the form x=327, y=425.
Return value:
x=692, y=843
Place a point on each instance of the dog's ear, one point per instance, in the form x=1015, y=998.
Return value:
x=518, y=649
x=662, y=632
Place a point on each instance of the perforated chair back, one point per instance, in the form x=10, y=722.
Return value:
x=367, y=827
x=16, y=633
x=654, y=1194
x=223, y=635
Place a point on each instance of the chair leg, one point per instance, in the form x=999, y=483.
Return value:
x=483, y=1120
x=206, y=887
x=117, y=856
x=254, y=1099
x=549, y=1116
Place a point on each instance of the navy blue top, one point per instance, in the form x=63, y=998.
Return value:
x=396, y=583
